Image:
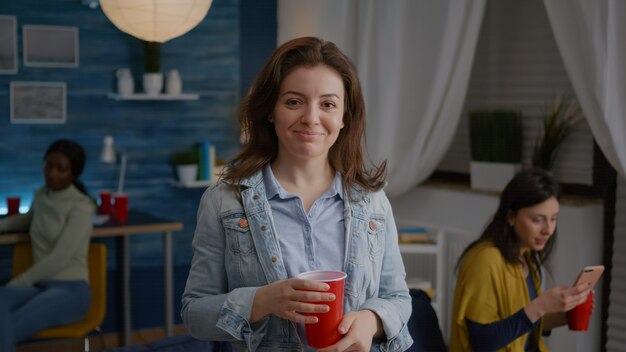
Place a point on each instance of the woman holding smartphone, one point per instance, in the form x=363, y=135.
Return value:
x=498, y=301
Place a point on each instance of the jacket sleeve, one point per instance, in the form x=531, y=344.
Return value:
x=393, y=304
x=210, y=310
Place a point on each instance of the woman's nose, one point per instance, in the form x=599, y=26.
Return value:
x=310, y=115
x=548, y=229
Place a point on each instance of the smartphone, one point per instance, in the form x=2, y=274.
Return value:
x=590, y=274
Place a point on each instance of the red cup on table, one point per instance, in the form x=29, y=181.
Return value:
x=106, y=205
x=324, y=333
x=13, y=205
x=578, y=317
x=120, y=207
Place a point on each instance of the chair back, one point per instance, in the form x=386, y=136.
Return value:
x=424, y=325
x=23, y=259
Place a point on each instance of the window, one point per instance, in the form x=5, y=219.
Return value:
x=518, y=66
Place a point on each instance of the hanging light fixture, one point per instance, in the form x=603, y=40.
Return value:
x=155, y=20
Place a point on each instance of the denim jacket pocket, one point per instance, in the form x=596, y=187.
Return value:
x=238, y=235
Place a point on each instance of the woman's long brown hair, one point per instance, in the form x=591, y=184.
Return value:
x=261, y=145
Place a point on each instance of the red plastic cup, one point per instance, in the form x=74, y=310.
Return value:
x=13, y=205
x=120, y=207
x=325, y=332
x=106, y=206
x=578, y=318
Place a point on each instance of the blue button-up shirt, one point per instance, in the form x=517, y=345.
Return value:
x=319, y=235
x=237, y=251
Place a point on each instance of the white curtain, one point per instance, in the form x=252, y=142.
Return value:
x=414, y=59
x=591, y=36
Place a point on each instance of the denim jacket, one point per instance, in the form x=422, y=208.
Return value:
x=236, y=251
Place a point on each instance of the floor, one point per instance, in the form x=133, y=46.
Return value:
x=97, y=342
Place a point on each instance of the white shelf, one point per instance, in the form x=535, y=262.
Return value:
x=143, y=96
x=413, y=248
x=193, y=184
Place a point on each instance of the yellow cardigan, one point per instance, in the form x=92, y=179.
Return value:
x=489, y=289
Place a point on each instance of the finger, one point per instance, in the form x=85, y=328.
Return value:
x=346, y=323
x=585, y=286
x=303, y=307
x=312, y=296
x=310, y=285
x=300, y=318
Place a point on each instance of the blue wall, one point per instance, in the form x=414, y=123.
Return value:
x=210, y=59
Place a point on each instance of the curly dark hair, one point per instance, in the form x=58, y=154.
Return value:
x=75, y=153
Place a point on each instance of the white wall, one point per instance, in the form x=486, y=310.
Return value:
x=463, y=213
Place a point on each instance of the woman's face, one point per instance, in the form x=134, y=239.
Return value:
x=535, y=225
x=308, y=114
x=58, y=171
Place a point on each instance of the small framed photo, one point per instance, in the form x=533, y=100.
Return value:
x=38, y=102
x=50, y=46
x=8, y=44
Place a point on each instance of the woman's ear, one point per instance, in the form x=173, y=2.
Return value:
x=270, y=119
x=510, y=218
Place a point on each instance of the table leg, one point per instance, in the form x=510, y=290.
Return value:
x=168, y=283
x=126, y=288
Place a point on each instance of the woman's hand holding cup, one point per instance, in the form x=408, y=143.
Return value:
x=288, y=299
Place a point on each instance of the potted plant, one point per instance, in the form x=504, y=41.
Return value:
x=495, y=147
x=558, y=121
x=152, y=77
x=186, y=164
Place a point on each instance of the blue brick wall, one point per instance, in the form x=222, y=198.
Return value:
x=148, y=131
x=210, y=63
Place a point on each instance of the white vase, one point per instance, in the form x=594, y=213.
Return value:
x=152, y=83
x=173, y=83
x=187, y=173
x=125, y=84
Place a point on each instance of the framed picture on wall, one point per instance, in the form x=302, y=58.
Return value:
x=8, y=44
x=38, y=102
x=50, y=46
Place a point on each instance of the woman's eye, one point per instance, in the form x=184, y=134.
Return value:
x=328, y=105
x=292, y=102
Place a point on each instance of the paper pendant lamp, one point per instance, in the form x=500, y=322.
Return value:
x=155, y=20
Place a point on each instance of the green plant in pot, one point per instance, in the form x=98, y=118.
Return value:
x=558, y=121
x=186, y=164
x=152, y=77
x=495, y=147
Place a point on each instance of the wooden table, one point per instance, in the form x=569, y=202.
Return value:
x=137, y=223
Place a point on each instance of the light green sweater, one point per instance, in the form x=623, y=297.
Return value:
x=59, y=224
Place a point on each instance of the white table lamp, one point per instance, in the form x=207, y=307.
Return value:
x=108, y=155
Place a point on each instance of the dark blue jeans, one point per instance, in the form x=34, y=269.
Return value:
x=25, y=310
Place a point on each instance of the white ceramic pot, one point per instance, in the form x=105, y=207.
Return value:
x=152, y=83
x=173, y=83
x=187, y=173
x=125, y=84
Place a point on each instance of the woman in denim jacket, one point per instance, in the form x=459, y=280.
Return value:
x=298, y=197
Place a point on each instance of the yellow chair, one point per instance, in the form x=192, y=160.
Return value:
x=22, y=260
